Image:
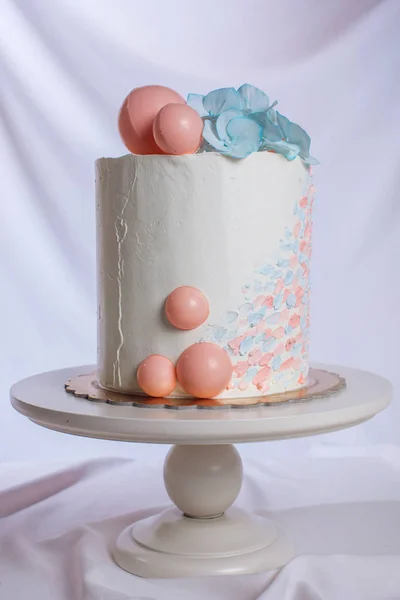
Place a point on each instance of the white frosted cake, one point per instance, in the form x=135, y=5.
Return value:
x=203, y=257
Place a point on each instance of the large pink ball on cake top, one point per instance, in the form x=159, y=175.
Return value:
x=156, y=376
x=186, y=307
x=178, y=129
x=137, y=114
x=204, y=370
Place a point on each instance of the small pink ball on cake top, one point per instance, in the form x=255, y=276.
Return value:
x=156, y=376
x=204, y=370
x=186, y=307
x=178, y=129
x=137, y=114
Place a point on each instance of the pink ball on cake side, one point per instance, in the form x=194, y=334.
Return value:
x=186, y=307
x=204, y=370
x=178, y=129
x=156, y=376
x=137, y=114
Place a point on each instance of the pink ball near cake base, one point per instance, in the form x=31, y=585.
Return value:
x=156, y=376
x=204, y=370
x=186, y=307
x=178, y=129
x=137, y=114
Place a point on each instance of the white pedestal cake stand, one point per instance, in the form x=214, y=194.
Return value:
x=202, y=534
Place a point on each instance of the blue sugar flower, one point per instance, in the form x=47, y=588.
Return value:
x=247, y=99
x=240, y=136
x=239, y=122
x=295, y=135
x=227, y=127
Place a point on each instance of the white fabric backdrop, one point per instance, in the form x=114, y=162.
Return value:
x=65, y=67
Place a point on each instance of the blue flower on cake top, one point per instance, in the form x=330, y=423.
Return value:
x=156, y=120
x=239, y=122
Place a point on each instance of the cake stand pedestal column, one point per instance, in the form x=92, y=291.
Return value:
x=202, y=535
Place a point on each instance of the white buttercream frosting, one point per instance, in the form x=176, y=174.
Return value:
x=206, y=221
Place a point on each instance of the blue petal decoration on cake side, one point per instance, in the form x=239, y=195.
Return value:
x=253, y=99
x=196, y=101
x=219, y=100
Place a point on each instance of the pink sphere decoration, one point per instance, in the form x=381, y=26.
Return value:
x=186, y=307
x=178, y=129
x=137, y=114
x=204, y=370
x=156, y=376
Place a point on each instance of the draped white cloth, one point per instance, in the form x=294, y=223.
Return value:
x=344, y=514
x=65, y=68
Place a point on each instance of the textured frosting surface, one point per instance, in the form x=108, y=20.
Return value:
x=239, y=230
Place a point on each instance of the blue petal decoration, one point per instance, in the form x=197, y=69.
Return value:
x=266, y=270
x=259, y=338
x=210, y=135
x=291, y=301
x=245, y=309
x=253, y=99
x=251, y=373
x=289, y=151
x=294, y=134
x=288, y=278
x=231, y=316
x=242, y=121
x=277, y=274
x=295, y=350
x=245, y=136
x=219, y=100
x=246, y=345
x=267, y=345
x=255, y=318
x=196, y=101
x=219, y=332
x=270, y=130
x=276, y=363
x=310, y=160
x=283, y=262
x=222, y=123
x=278, y=301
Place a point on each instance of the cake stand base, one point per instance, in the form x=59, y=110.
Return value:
x=202, y=536
x=172, y=545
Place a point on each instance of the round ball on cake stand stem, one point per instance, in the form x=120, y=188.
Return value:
x=211, y=476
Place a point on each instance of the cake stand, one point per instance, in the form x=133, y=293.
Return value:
x=202, y=534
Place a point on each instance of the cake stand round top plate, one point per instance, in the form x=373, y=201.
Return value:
x=43, y=399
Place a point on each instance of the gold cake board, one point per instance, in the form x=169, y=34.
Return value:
x=320, y=384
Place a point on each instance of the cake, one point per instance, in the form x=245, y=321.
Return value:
x=204, y=242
